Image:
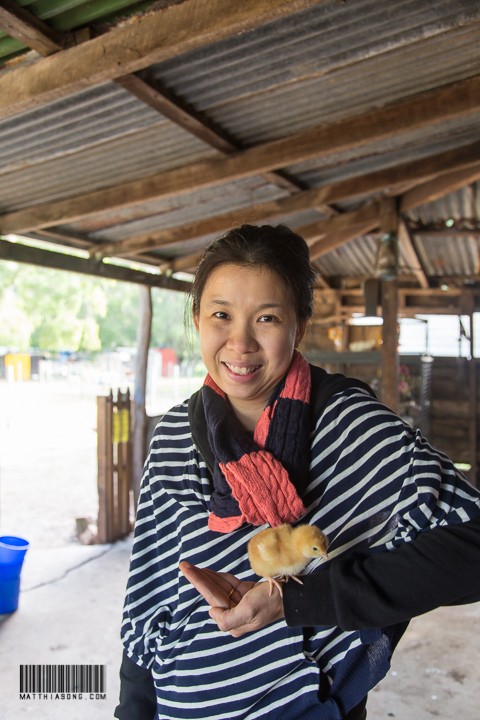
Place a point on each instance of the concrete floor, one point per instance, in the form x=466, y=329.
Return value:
x=72, y=595
x=69, y=613
x=70, y=609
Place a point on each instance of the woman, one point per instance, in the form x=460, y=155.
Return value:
x=271, y=440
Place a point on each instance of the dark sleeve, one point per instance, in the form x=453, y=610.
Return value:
x=137, y=693
x=440, y=567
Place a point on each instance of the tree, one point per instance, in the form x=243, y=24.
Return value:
x=55, y=310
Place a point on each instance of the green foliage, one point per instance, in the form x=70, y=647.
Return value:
x=53, y=310
x=118, y=326
x=171, y=323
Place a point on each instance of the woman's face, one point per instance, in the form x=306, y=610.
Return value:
x=248, y=330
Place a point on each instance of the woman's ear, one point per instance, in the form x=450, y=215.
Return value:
x=195, y=320
x=302, y=324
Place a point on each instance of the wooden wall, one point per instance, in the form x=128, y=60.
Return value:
x=454, y=410
x=444, y=406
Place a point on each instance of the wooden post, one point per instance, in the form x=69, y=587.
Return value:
x=139, y=396
x=124, y=465
x=114, y=467
x=390, y=344
x=468, y=303
x=105, y=467
x=389, y=227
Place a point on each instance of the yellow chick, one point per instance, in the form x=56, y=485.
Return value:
x=283, y=552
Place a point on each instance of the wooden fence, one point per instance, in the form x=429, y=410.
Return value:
x=114, y=466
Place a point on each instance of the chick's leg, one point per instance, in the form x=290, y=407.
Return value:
x=271, y=582
x=296, y=578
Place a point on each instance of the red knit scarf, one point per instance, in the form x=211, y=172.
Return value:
x=259, y=480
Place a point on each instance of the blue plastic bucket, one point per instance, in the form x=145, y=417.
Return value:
x=12, y=553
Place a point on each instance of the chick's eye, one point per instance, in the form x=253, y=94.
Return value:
x=315, y=548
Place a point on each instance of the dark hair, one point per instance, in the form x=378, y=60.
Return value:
x=275, y=247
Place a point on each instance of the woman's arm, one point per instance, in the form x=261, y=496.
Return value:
x=440, y=567
x=357, y=592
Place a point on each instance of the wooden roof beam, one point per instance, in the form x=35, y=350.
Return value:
x=154, y=37
x=37, y=35
x=439, y=187
x=179, y=112
x=377, y=181
x=457, y=100
x=335, y=229
x=19, y=23
x=88, y=266
x=408, y=250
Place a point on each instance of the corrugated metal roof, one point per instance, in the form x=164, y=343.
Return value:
x=448, y=255
x=302, y=71
x=331, y=62
x=157, y=215
x=462, y=204
x=127, y=157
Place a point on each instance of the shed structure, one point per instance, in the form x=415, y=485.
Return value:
x=132, y=133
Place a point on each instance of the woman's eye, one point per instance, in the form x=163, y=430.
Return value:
x=220, y=315
x=267, y=318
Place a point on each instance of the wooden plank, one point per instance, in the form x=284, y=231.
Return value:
x=439, y=187
x=139, y=393
x=459, y=99
x=133, y=46
x=20, y=24
x=389, y=293
x=368, y=214
x=124, y=462
x=105, y=467
x=452, y=409
x=409, y=252
x=389, y=380
x=337, y=230
x=165, y=102
x=178, y=111
x=61, y=261
x=331, y=242
x=372, y=182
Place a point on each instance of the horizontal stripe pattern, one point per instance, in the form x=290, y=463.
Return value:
x=374, y=483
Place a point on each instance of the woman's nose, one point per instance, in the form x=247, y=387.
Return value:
x=242, y=339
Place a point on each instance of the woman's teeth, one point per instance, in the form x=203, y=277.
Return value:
x=242, y=370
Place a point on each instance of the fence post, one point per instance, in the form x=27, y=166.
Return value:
x=114, y=466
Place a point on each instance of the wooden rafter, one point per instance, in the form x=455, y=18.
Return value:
x=88, y=266
x=131, y=47
x=378, y=181
x=178, y=111
x=333, y=230
x=325, y=236
x=20, y=24
x=37, y=35
x=432, y=190
x=456, y=100
x=330, y=234
x=164, y=101
x=408, y=250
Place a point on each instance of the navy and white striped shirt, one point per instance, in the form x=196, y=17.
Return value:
x=374, y=484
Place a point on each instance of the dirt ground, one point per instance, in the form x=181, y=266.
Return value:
x=48, y=478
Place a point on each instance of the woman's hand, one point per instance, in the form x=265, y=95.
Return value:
x=237, y=606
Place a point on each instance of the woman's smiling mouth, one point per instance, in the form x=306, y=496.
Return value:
x=241, y=370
